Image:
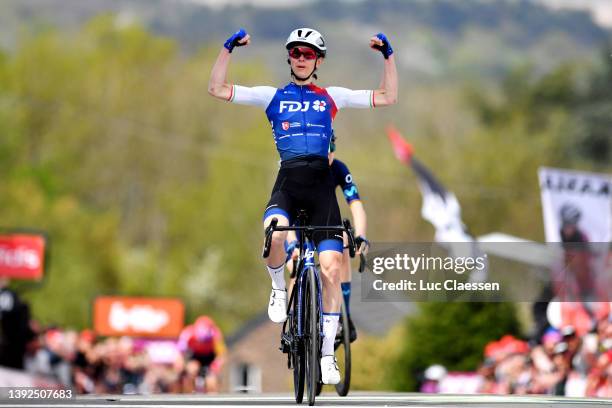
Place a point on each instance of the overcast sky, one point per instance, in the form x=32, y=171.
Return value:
x=601, y=9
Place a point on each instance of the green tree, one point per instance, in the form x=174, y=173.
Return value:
x=593, y=141
x=451, y=334
x=140, y=178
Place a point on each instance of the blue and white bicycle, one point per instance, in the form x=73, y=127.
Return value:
x=302, y=332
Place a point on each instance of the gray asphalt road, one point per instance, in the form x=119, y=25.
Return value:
x=326, y=400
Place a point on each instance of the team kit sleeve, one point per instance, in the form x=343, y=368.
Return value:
x=257, y=96
x=348, y=98
x=345, y=181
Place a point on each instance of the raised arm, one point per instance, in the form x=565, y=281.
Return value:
x=217, y=84
x=387, y=93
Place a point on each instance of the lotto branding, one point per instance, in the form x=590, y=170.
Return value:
x=319, y=106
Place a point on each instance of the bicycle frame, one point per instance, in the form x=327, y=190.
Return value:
x=303, y=345
x=307, y=260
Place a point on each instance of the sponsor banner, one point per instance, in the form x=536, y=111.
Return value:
x=577, y=205
x=135, y=316
x=460, y=383
x=22, y=256
x=454, y=272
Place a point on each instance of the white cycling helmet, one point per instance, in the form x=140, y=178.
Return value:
x=435, y=372
x=570, y=214
x=309, y=37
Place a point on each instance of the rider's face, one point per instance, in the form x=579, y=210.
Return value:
x=302, y=66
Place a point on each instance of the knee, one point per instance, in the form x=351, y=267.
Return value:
x=330, y=265
x=278, y=239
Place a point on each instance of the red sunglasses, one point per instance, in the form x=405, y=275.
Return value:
x=297, y=52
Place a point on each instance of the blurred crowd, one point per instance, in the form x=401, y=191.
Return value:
x=112, y=365
x=563, y=362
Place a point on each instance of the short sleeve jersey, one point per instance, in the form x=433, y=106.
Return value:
x=301, y=116
x=344, y=179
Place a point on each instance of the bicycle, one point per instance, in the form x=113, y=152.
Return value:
x=342, y=344
x=302, y=332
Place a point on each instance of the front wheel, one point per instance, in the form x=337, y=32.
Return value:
x=298, y=362
x=312, y=335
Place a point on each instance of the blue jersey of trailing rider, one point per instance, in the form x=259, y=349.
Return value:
x=301, y=117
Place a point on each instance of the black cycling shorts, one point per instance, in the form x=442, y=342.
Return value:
x=307, y=184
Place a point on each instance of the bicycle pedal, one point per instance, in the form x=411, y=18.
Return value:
x=285, y=346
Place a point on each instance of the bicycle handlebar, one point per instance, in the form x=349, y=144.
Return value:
x=362, y=262
x=351, y=239
x=268, y=242
x=346, y=227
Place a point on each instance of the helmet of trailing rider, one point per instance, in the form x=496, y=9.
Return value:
x=570, y=214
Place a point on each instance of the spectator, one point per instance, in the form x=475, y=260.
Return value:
x=15, y=332
x=564, y=363
x=433, y=375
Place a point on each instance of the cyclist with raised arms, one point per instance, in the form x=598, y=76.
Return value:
x=301, y=116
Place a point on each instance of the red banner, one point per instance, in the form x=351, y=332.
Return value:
x=22, y=256
x=136, y=316
x=402, y=149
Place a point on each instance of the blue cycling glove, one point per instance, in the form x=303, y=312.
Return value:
x=361, y=240
x=385, y=48
x=290, y=247
x=233, y=40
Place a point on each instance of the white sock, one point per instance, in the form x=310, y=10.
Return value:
x=278, y=277
x=330, y=326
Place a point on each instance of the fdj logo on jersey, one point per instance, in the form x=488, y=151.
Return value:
x=293, y=106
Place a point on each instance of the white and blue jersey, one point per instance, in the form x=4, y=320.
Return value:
x=301, y=116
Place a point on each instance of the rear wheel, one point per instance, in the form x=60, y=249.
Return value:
x=312, y=334
x=343, y=354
